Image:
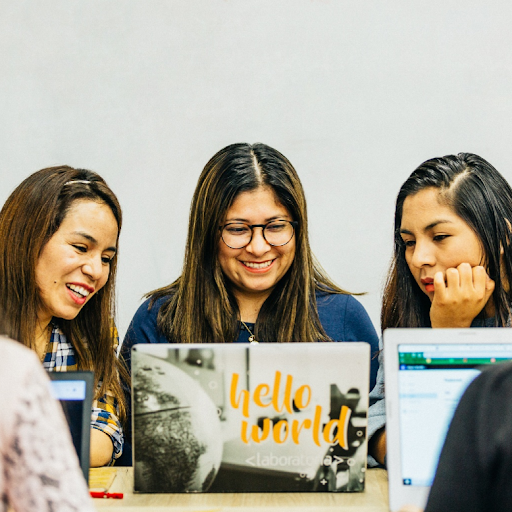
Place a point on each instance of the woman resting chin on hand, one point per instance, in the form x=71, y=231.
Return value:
x=451, y=268
x=452, y=247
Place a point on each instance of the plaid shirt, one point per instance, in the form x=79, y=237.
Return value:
x=60, y=357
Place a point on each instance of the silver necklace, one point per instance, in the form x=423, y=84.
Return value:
x=252, y=338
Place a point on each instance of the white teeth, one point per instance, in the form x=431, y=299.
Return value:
x=79, y=289
x=265, y=264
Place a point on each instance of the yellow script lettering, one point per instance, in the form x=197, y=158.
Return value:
x=244, y=396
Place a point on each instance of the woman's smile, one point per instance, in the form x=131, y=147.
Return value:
x=259, y=267
x=79, y=292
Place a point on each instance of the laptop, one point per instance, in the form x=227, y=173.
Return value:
x=264, y=417
x=74, y=390
x=426, y=373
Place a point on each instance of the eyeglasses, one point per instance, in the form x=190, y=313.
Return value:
x=237, y=235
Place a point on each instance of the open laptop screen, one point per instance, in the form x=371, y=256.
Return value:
x=74, y=392
x=431, y=381
x=426, y=373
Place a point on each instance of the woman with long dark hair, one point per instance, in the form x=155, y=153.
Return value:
x=452, y=259
x=452, y=267
x=249, y=274
x=59, y=231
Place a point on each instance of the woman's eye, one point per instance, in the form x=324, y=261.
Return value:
x=440, y=238
x=276, y=227
x=409, y=243
x=80, y=248
x=237, y=230
x=106, y=260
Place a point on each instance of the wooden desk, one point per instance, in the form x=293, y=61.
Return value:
x=374, y=499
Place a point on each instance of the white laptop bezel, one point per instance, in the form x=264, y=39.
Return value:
x=400, y=494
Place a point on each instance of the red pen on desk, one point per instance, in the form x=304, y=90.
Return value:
x=114, y=495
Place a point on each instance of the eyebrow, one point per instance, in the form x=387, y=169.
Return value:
x=427, y=228
x=269, y=219
x=92, y=240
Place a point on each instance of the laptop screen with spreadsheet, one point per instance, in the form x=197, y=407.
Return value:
x=427, y=371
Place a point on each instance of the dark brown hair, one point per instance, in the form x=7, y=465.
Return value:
x=478, y=194
x=29, y=218
x=202, y=306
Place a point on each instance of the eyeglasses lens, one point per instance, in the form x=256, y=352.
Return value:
x=278, y=233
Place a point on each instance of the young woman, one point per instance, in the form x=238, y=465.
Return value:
x=58, y=252
x=249, y=274
x=452, y=262
x=452, y=268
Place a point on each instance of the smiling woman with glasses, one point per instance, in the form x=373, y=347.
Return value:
x=249, y=273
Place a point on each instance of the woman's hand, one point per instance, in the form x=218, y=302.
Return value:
x=459, y=300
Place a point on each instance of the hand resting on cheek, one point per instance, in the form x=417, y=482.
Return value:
x=462, y=297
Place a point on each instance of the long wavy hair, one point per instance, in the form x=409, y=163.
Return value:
x=29, y=218
x=478, y=194
x=200, y=305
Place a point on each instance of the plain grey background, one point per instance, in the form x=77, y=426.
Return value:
x=355, y=93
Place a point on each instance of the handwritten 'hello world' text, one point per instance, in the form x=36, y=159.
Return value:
x=264, y=395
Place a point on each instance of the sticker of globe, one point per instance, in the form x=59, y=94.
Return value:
x=177, y=433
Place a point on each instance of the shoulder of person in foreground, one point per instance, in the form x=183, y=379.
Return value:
x=38, y=464
x=475, y=466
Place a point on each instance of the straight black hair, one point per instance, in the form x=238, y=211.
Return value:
x=479, y=195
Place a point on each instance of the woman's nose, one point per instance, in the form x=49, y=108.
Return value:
x=423, y=255
x=258, y=245
x=93, y=267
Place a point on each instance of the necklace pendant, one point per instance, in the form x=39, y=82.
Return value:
x=251, y=338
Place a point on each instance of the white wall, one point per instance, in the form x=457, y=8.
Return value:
x=355, y=93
